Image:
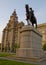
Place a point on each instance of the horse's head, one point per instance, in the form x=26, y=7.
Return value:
x=27, y=8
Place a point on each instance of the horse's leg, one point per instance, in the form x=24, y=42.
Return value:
x=36, y=25
x=28, y=22
x=32, y=24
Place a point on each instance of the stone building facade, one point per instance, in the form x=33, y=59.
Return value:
x=11, y=33
x=0, y=46
x=42, y=29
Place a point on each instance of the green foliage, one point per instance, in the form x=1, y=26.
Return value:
x=9, y=62
x=5, y=54
x=44, y=47
x=7, y=48
x=16, y=46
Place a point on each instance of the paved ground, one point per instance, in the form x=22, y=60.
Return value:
x=43, y=63
x=40, y=63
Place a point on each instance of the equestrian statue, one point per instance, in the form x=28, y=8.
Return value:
x=30, y=16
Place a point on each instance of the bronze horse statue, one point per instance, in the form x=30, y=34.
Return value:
x=30, y=16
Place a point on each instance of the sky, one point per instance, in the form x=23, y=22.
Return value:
x=7, y=7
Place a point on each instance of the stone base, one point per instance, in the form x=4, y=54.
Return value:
x=31, y=59
x=29, y=54
x=30, y=44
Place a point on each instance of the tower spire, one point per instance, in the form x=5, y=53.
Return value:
x=14, y=16
x=14, y=12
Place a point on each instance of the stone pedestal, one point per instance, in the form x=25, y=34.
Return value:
x=30, y=44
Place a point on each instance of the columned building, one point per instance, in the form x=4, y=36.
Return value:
x=42, y=29
x=11, y=33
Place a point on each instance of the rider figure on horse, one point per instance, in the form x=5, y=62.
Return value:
x=30, y=16
x=31, y=12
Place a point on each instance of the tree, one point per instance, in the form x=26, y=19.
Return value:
x=16, y=46
x=44, y=47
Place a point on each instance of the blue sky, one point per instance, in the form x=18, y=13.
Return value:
x=7, y=7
